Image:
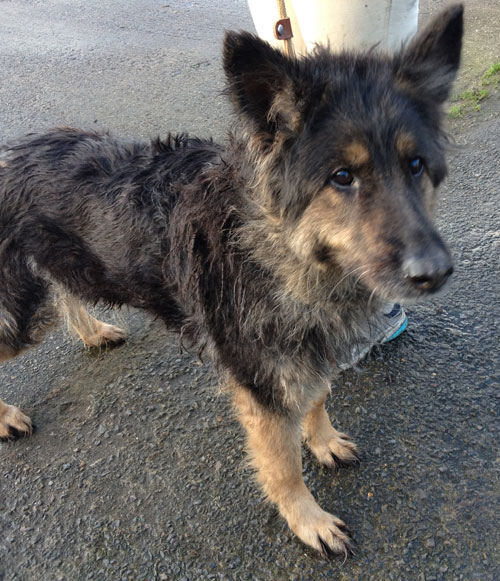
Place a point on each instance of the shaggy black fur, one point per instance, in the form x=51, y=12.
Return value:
x=272, y=251
x=162, y=226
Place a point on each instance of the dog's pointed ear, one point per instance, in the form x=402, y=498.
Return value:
x=428, y=65
x=260, y=83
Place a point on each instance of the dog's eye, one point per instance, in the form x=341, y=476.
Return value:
x=343, y=177
x=416, y=166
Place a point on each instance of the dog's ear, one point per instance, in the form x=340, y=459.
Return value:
x=260, y=83
x=428, y=65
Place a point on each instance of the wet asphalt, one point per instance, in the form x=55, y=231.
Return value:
x=137, y=469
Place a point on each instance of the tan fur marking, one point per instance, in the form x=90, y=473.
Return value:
x=92, y=332
x=3, y=163
x=324, y=440
x=13, y=417
x=6, y=328
x=6, y=352
x=357, y=154
x=406, y=145
x=316, y=224
x=7, y=323
x=274, y=443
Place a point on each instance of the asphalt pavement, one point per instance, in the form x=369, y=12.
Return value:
x=138, y=469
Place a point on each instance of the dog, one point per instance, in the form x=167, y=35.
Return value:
x=270, y=252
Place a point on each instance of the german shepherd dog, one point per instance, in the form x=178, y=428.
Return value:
x=271, y=252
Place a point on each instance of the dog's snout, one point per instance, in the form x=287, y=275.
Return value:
x=428, y=272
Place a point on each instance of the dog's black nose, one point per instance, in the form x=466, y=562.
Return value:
x=428, y=273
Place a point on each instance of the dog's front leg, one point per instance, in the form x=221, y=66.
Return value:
x=331, y=447
x=274, y=441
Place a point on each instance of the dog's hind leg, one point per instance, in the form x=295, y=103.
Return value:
x=92, y=332
x=26, y=312
x=274, y=441
x=13, y=422
x=332, y=448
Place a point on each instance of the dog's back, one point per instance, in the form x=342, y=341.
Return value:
x=91, y=212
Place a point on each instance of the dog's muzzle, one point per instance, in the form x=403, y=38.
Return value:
x=427, y=272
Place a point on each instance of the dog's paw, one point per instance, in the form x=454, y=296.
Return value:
x=13, y=423
x=321, y=531
x=335, y=449
x=106, y=336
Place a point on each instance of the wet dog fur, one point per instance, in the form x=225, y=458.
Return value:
x=271, y=252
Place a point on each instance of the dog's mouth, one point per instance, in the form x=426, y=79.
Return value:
x=392, y=274
x=416, y=279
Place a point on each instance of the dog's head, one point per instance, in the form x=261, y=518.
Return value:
x=352, y=151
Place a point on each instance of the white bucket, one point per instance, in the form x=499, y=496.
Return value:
x=352, y=24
